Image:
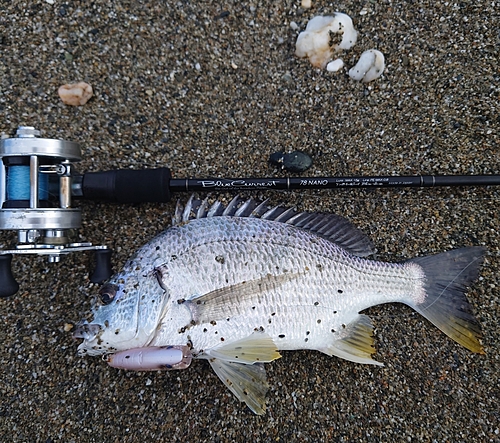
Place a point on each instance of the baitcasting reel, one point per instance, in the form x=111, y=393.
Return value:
x=36, y=182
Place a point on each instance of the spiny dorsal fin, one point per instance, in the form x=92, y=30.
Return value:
x=356, y=343
x=330, y=226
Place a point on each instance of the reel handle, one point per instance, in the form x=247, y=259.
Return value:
x=8, y=284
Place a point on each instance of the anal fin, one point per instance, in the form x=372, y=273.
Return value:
x=258, y=347
x=356, y=342
x=247, y=382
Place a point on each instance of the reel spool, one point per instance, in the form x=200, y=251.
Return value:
x=36, y=178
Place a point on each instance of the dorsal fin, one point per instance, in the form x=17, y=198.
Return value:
x=330, y=226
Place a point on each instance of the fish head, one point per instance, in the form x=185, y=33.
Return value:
x=127, y=313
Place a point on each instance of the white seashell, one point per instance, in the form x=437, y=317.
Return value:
x=76, y=94
x=314, y=42
x=335, y=65
x=370, y=66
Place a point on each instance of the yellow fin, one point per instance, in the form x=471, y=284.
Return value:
x=258, y=347
x=247, y=382
x=447, y=276
x=356, y=343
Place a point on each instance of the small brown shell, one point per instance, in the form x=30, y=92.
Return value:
x=76, y=94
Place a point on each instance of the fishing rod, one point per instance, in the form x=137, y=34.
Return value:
x=123, y=186
x=39, y=182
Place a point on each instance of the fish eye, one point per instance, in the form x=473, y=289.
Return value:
x=108, y=293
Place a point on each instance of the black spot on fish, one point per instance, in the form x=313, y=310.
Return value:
x=213, y=322
x=334, y=312
x=174, y=257
x=274, y=313
x=106, y=323
x=281, y=336
x=205, y=329
x=333, y=330
x=253, y=307
x=269, y=321
x=220, y=259
x=222, y=339
x=181, y=301
x=316, y=303
x=117, y=332
x=343, y=326
x=157, y=248
x=308, y=332
x=318, y=321
x=340, y=291
x=319, y=266
x=306, y=339
x=127, y=356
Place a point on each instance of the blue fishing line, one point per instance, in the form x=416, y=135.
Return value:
x=18, y=184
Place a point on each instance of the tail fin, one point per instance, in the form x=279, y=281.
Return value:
x=447, y=277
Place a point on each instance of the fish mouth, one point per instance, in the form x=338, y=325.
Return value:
x=87, y=331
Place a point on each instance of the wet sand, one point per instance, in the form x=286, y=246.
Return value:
x=213, y=89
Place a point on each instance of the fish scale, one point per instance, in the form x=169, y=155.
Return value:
x=254, y=250
x=236, y=284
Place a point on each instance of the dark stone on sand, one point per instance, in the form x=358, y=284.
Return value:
x=296, y=161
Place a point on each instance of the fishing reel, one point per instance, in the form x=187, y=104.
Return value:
x=37, y=181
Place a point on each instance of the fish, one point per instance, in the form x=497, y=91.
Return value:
x=237, y=284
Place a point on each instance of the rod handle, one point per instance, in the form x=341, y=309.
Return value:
x=127, y=185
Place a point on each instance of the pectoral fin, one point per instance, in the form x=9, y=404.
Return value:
x=355, y=343
x=247, y=382
x=258, y=347
x=231, y=300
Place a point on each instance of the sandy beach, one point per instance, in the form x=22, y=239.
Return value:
x=211, y=89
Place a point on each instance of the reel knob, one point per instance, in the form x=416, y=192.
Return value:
x=8, y=285
x=102, y=266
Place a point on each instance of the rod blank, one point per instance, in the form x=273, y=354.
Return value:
x=288, y=183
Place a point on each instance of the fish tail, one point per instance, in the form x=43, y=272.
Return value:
x=447, y=277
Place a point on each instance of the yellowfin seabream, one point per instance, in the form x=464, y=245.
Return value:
x=235, y=285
